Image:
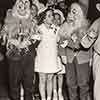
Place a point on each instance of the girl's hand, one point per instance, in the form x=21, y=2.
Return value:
x=76, y=45
x=74, y=37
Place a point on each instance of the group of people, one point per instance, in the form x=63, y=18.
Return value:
x=42, y=39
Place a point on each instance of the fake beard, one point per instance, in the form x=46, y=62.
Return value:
x=74, y=33
x=77, y=24
x=16, y=14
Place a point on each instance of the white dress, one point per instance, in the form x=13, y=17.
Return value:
x=46, y=59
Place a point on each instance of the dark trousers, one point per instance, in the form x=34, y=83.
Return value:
x=21, y=72
x=77, y=75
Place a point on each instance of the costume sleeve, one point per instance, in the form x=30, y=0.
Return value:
x=91, y=35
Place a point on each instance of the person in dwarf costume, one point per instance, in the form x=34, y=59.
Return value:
x=92, y=39
x=58, y=77
x=77, y=67
x=46, y=60
x=18, y=36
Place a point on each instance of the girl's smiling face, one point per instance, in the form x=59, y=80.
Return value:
x=49, y=18
x=57, y=19
x=34, y=10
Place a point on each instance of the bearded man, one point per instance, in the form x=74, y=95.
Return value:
x=17, y=34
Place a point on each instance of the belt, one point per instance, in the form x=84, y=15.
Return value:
x=26, y=50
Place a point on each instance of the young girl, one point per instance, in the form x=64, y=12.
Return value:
x=46, y=60
x=58, y=78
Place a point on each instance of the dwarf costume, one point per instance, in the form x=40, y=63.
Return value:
x=77, y=68
x=17, y=34
x=92, y=38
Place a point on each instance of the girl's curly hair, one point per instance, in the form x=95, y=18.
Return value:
x=42, y=15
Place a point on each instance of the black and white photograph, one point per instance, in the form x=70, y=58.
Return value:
x=49, y=49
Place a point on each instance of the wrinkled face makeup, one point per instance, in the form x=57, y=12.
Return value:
x=49, y=17
x=23, y=7
x=75, y=13
x=57, y=19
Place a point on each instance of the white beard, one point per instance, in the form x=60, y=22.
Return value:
x=79, y=23
x=71, y=28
